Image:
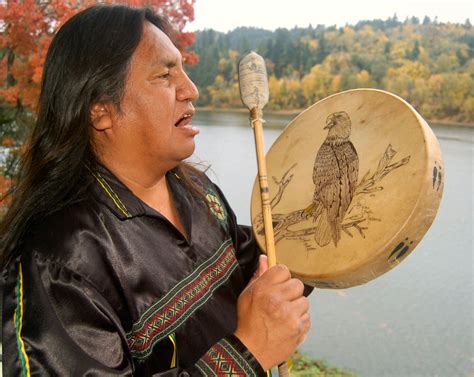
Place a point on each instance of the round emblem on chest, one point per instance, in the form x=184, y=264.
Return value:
x=216, y=207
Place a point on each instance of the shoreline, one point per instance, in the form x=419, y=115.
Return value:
x=295, y=112
x=244, y=110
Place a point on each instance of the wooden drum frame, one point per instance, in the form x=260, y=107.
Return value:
x=355, y=182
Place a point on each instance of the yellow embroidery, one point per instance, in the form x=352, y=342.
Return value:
x=215, y=206
x=173, y=340
x=111, y=194
x=18, y=321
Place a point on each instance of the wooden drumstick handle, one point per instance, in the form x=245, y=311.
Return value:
x=254, y=93
x=283, y=370
x=263, y=180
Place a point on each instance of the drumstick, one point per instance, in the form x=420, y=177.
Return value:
x=254, y=93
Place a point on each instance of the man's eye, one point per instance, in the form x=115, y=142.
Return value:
x=163, y=76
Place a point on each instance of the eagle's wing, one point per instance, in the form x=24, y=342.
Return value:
x=348, y=163
x=326, y=176
x=353, y=167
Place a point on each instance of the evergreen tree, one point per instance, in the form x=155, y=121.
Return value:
x=430, y=64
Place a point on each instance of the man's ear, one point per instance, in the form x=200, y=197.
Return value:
x=101, y=118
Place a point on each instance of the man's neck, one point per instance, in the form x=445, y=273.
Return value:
x=150, y=187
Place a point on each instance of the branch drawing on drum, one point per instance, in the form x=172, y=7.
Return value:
x=338, y=203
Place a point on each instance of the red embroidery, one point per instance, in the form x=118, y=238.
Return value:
x=164, y=317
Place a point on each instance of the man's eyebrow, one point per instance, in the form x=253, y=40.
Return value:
x=167, y=63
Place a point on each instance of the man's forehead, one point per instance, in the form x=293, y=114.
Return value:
x=159, y=48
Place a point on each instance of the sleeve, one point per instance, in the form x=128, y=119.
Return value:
x=245, y=244
x=229, y=357
x=56, y=323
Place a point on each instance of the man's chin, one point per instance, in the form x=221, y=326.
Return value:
x=186, y=152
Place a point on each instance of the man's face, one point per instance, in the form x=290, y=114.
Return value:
x=153, y=127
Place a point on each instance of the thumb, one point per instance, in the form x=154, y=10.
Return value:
x=262, y=267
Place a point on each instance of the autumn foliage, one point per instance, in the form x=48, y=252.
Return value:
x=430, y=64
x=26, y=30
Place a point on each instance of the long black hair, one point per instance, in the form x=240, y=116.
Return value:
x=87, y=63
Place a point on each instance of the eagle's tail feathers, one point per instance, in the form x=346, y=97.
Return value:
x=336, y=233
x=323, y=230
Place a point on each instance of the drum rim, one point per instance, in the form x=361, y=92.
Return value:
x=430, y=148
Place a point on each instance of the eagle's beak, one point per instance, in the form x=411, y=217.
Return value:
x=329, y=123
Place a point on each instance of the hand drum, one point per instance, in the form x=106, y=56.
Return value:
x=355, y=182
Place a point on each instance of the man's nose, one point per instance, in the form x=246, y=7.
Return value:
x=187, y=90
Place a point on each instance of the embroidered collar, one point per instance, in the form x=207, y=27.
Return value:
x=118, y=197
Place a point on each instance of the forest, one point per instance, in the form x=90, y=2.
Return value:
x=428, y=63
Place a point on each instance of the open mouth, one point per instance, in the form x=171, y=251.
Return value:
x=184, y=120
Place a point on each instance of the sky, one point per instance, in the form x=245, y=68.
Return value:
x=225, y=15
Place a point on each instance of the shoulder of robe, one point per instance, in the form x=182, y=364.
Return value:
x=76, y=237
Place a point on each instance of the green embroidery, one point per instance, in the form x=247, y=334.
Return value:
x=223, y=359
x=216, y=207
x=18, y=320
x=166, y=315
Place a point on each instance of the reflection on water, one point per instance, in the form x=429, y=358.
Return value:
x=416, y=320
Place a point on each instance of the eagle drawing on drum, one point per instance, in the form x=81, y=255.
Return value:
x=335, y=174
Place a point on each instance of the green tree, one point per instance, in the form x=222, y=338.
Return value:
x=412, y=59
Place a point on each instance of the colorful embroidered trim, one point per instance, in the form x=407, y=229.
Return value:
x=111, y=194
x=167, y=314
x=172, y=337
x=222, y=359
x=216, y=207
x=18, y=321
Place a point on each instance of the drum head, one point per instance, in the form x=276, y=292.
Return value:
x=355, y=182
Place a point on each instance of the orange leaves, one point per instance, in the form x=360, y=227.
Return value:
x=25, y=90
x=10, y=95
x=7, y=146
x=24, y=22
x=3, y=71
x=26, y=28
x=8, y=142
x=5, y=186
x=61, y=10
x=184, y=40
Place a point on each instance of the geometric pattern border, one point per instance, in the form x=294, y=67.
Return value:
x=167, y=314
x=222, y=359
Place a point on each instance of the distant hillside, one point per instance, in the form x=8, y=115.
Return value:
x=428, y=63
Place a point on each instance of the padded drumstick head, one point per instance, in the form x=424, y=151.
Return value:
x=253, y=81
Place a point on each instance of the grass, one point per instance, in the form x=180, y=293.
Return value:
x=304, y=366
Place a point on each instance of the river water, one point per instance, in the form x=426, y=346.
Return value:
x=415, y=321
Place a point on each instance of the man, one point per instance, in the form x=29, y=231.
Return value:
x=119, y=258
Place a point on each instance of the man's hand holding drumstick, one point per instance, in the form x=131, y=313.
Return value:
x=272, y=315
